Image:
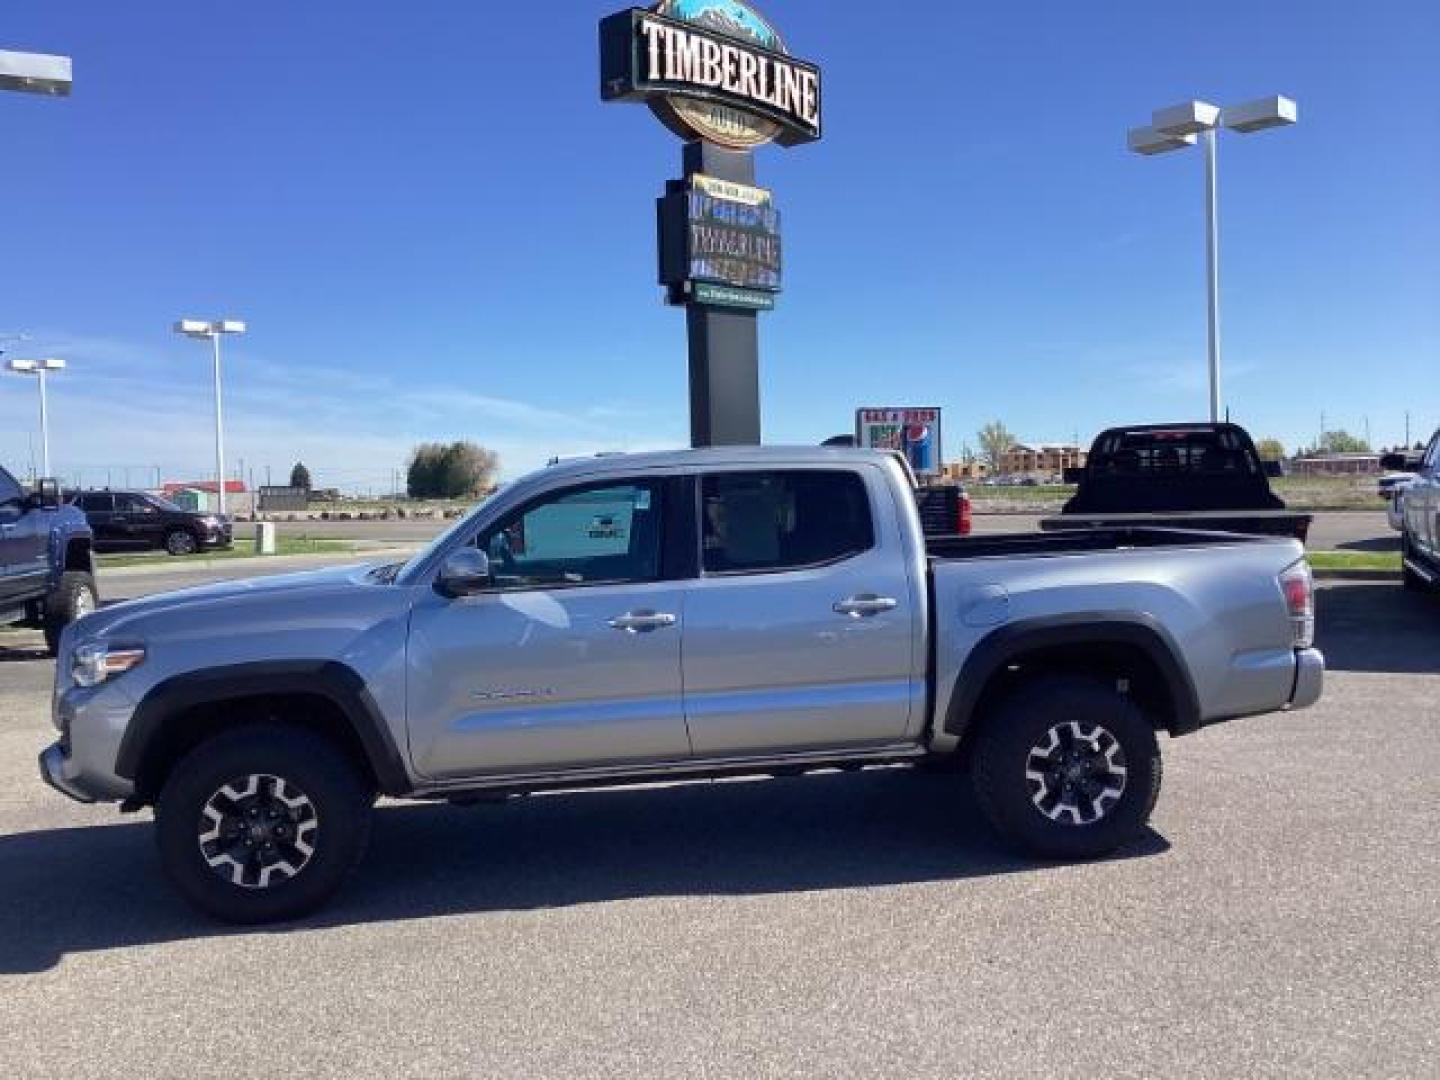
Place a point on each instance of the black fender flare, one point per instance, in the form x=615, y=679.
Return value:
x=329, y=679
x=1135, y=630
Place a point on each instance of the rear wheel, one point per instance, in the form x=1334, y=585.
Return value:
x=262, y=824
x=181, y=542
x=74, y=598
x=1067, y=768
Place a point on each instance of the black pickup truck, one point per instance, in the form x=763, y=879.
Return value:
x=1185, y=476
x=47, y=570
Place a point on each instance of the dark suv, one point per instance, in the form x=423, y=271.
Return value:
x=137, y=519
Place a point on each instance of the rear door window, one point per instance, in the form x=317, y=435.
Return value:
x=757, y=522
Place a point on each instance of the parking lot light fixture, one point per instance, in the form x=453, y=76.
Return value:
x=1261, y=114
x=213, y=330
x=41, y=368
x=35, y=73
x=1179, y=126
x=1147, y=141
x=1190, y=118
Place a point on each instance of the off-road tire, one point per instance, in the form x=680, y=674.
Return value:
x=1019, y=723
x=181, y=542
x=310, y=765
x=75, y=596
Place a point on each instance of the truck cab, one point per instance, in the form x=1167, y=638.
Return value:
x=1198, y=476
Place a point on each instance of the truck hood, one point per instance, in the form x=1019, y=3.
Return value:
x=230, y=597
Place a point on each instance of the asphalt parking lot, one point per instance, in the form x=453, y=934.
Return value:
x=1282, y=918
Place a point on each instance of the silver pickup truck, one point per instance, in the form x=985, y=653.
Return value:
x=682, y=615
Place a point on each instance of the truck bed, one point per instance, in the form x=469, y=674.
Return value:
x=1077, y=540
x=1285, y=523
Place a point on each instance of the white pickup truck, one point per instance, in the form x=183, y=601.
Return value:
x=681, y=615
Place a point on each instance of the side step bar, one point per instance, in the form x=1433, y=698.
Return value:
x=706, y=769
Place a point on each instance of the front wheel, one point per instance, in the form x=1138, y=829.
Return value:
x=1067, y=768
x=181, y=542
x=74, y=598
x=262, y=824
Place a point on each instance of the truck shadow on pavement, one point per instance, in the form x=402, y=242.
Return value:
x=86, y=889
x=1377, y=627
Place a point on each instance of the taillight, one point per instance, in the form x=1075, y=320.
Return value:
x=966, y=522
x=1299, y=588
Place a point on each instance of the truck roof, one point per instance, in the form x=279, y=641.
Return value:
x=755, y=456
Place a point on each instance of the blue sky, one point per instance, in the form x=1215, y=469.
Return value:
x=436, y=230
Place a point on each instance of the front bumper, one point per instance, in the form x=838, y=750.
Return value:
x=92, y=724
x=219, y=536
x=52, y=770
x=1309, y=678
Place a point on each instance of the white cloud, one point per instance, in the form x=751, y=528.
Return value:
x=123, y=411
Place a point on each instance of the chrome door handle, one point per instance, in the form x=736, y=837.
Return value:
x=858, y=607
x=642, y=622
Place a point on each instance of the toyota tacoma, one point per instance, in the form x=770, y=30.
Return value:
x=672, y=616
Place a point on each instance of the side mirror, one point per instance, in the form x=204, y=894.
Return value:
x=1397, y=463
x=464, y=573
x=1273, y=469
x=47, y=494
x=1073, y=475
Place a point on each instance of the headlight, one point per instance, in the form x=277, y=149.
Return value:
x=93, y=664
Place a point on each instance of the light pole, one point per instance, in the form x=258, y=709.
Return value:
x=201, y=329
x=37, y=73
x=1176, y=128
x=39, y=368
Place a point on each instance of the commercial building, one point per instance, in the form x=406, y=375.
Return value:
x=1046, y=460
x=962, y=472
x=1336, y=465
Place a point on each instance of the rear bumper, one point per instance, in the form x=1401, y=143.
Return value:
x=1309, y=678
x=52, y=771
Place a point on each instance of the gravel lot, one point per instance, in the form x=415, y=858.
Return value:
x=1281, y=919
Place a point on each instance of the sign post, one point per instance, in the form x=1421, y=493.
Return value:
x=717, y=74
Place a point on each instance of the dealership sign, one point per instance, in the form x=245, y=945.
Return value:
x=720, y=233
x=711, y=69
x=912, y=432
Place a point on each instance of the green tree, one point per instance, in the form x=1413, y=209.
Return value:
x=994, y=440
x=459, y=470
x=1270, y=450
x=300, y=476
x=1342, y=442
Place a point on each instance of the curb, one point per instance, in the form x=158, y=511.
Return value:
x=1356, y=575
